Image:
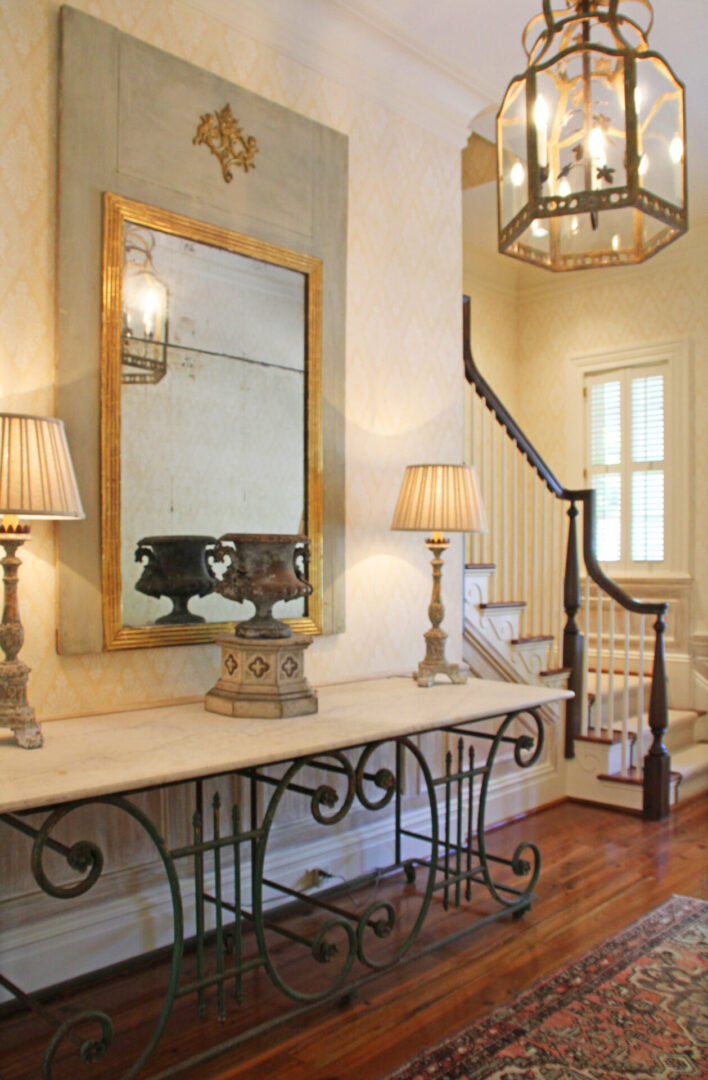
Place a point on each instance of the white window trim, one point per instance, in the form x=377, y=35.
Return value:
x=679, y=426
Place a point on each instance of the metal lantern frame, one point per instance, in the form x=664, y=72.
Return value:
x=148, y=353
x=550, y=209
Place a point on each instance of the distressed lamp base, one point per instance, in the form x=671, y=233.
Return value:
x=15, y=711
x=435, y=638
x=262, y=677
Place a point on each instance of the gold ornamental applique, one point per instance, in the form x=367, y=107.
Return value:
x=223, y=134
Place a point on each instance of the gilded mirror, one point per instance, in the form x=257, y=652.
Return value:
x=210, y=411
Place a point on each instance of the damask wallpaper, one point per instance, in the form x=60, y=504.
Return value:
x=664, y=300
x=404, y=403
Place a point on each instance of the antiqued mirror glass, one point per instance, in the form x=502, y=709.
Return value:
x=210, y=418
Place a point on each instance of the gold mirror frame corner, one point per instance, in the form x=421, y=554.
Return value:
x=116, y=211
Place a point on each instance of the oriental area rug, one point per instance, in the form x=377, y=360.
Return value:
x=634, y=1008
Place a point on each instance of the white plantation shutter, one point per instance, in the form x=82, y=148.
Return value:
x=647, y=405
x=648, y=418
x=606, y=423
x=626, y=466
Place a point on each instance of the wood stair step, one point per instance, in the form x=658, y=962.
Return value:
x=634, y=775
x=480, y=566
x=538, y=638
x=499, y=605
x=607, y=739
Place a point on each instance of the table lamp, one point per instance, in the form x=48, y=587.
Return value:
x=36, y=481
x=439, y=498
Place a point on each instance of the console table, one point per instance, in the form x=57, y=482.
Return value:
x=358, y=748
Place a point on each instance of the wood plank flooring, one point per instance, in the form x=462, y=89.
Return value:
x=600, y=870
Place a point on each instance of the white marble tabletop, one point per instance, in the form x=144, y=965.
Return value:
x=113, y=752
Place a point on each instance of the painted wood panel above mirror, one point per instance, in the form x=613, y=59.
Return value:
x=295, y=197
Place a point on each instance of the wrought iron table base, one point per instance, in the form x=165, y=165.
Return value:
x=457, y=861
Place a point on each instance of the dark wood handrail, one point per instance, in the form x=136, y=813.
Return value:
x=583, y=495
x=484, y=390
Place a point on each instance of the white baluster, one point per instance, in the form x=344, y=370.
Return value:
x=483, y=477
x=598, y=667
x=611, y=669
x=527, y=534
x=534, y=587
x=506, y=554
x=625, y=708
x=493, y=509
x=515, y=525
x=584, y=726
x=640, y=691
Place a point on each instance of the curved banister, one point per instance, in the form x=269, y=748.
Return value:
x=584, y=495
x=476, y=379
x=656, y=762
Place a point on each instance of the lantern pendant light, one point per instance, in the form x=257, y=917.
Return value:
x=591, y=142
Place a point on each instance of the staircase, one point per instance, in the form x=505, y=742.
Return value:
x=495, y=649
x=540, y=609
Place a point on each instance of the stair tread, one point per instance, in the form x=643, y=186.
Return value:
x=691, y=759
x=480, y=566
x=529, y=640
x=556, y=671
x=607, y=739
x=503, y=604
x=635, y=776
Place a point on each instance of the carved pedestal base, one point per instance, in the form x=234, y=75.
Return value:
x=262, y=677
x=435, y=662
x=15, y=711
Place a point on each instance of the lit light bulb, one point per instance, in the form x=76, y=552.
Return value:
x=518, y=174
x=616, y=242
x=676, y=149
x=644, y=164
x=574, y=225
x=597, y=144
x=151, y=303
x=540, y=116
x=564, y=188
x=537, y=229
x=540, y=111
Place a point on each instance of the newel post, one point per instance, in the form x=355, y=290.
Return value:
x=573, y=641
x=657, y=763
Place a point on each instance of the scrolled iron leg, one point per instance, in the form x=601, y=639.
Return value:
x=86, y=858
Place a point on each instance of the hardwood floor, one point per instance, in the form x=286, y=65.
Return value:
x=600, y=870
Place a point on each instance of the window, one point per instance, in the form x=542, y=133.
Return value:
x=636, y=454
x=628, y=463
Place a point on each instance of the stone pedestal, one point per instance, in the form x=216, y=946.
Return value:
x=262, y=677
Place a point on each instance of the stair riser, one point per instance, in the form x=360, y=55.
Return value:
x=618, y=697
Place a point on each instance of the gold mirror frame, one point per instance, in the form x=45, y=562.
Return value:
x=116, y=211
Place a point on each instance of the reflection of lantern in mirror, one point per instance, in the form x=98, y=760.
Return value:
x=145, y=297
x=590, y=142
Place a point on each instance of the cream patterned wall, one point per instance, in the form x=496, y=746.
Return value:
x=664, y=300
x=403, y=371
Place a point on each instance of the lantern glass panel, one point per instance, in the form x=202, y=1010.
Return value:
x=660, y=130
x=511, y=143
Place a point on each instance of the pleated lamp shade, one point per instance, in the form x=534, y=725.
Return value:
x=36, y=474
x=440, y=498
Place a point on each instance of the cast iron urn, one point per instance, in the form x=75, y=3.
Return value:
x=263, y=569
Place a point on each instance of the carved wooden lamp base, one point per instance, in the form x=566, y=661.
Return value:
x=435, y=663
x=263, y=677
x=15, y=711
x=435, y=638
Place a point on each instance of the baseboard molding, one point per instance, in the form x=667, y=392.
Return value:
x=129, y=912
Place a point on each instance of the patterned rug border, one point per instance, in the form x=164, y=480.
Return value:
x=636, y=938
